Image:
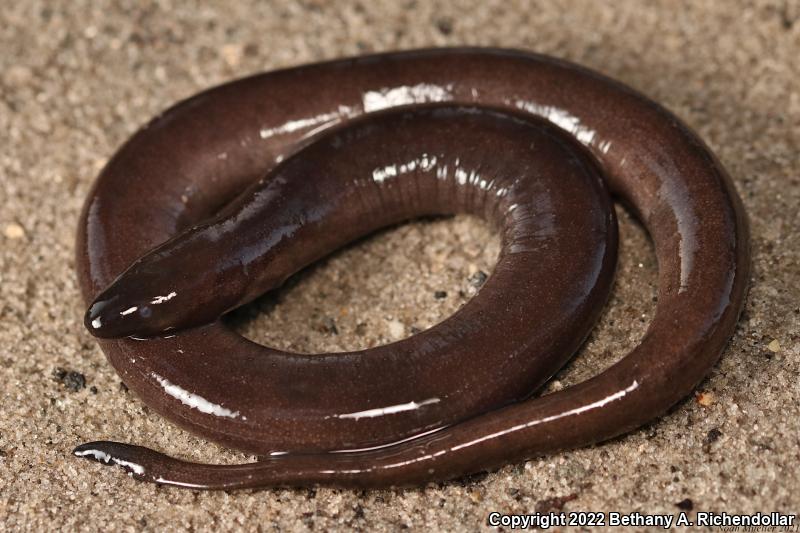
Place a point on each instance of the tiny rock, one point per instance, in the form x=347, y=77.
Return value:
x=705, y=398
x=14, y=231
x=396, y=329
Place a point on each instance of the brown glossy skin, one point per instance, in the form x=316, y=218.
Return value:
x=436, y=405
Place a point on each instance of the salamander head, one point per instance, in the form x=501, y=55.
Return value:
x=131, y=308
x=162, y=291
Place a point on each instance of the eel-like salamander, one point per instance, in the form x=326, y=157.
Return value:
x=228, y=193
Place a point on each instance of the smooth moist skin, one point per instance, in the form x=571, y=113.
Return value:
x=225, y=195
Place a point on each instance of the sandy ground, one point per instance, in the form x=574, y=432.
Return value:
x=76, y=78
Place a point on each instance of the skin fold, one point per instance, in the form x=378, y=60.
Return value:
x=225, y=195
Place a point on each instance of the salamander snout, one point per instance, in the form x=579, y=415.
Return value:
x=112, y=315
x=139, y=303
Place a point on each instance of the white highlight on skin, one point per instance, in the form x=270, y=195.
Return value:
x=427, y=163
x=110, y=459
x=161, y=299
x=462, y=177
x=303, y=123
x=389, y=444
x=424, y=162
x=193, y=400
x=676, y=194
x=604, y=146
x=96, y=323
x=180, y=483
x=392, y=409
x=562, y=119
x=406, y=95
x=578, y=410
x=129, y=311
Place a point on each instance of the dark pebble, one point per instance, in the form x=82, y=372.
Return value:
x=713, y=435
x=478, y=278
x=440, y=295
x=685, y=505
x=514, y=493
x=72, y=380
x=358, y=512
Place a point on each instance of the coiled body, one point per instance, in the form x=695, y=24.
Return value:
x=521, y=140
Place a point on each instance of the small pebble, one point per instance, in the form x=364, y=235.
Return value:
x=774, y=346
x=14, y=231
x=475, y=495
x=713, y=436
x=440, y=295
x=396, y=329
x=705, y=398
x=478, y=279
x=685, y=505
x=73, y=381
x=232, y=53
